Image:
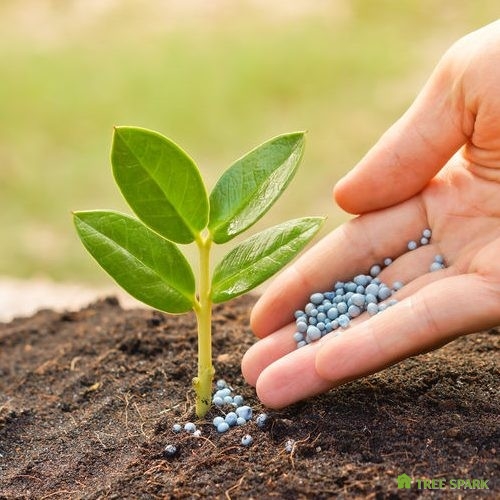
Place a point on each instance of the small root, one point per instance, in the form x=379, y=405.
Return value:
x=234, y=487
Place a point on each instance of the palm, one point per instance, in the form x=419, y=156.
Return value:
x=464, y=213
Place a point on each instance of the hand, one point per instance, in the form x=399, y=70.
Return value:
x=439, y=167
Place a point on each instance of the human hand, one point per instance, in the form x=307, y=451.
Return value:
x=438, y=166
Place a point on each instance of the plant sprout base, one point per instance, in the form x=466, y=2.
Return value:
x=202, y=384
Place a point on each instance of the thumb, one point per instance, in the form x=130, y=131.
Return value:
x=416, y=147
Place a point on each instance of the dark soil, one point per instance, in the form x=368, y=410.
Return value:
x=88, y=399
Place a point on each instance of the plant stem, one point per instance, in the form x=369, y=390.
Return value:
x=203, y=308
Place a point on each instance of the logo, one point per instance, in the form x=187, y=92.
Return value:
x=405, y=482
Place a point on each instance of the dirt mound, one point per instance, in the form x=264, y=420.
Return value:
x=88, y=399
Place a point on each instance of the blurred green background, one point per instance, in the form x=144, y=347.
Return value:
x=217, y=77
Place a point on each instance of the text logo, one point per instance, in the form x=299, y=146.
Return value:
x=406, y=482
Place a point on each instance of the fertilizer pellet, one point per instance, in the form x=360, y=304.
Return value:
x=328, y=311
x=235, y=414
x=221, y=384
x=347, y=301
x=261, y=420
x=223, y=427
x=246, y=440
x=190, y=427
x=170, y=450
x=238, y=400
x=217, y=401
x=231, y=418
x=437, y=264
x=217, y=420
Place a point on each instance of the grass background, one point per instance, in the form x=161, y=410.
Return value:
x=217, y=77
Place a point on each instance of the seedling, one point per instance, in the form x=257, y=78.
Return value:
x=164, y=188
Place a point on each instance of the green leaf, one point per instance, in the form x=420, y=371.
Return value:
x=248, y=189
x=261, y=256
x=149, y=267
x=160, y=182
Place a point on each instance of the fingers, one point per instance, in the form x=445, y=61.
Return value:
x=412, y=268
x=291, y=378
x=267, y=351
x=458, y=106
x=415, y=148
x=351, y=249
x=433, y=316
x=482, y=79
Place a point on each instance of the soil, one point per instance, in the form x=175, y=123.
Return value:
x=88, y=400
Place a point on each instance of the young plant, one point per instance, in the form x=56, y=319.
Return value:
x=164, y=188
